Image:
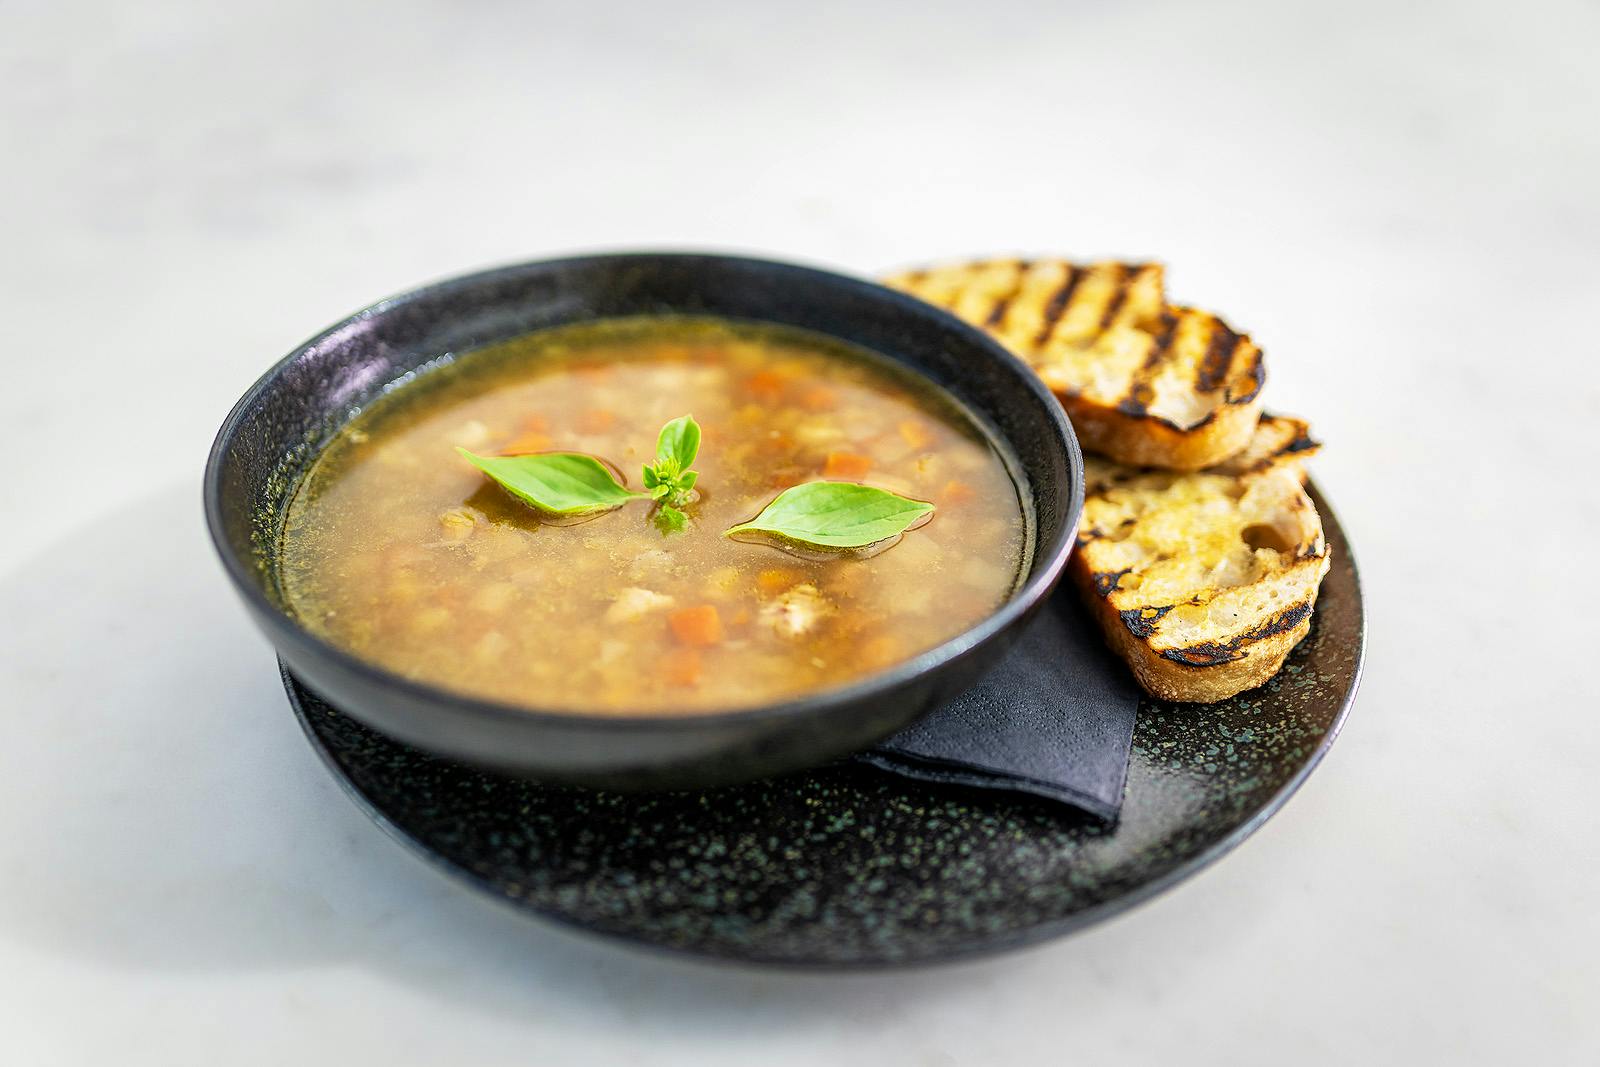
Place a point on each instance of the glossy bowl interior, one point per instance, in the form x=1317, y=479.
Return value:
x=278, y=428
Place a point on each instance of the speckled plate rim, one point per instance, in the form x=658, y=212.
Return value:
x=1026, y=937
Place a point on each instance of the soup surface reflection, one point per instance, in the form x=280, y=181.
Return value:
x=398, y=550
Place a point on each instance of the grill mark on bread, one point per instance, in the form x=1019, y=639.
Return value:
x=1141, y=622
x=997, y=314
x=1258, y=375
x=1293, y=448
x=1213, y=653
x=1279, y=439
x=1140, y=391
x=1118, y=297
x=1105, y=582
x=1302, y=443
x=1057, y=304
x=1213, y=369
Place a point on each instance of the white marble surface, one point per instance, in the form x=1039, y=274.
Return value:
x=1399, y=201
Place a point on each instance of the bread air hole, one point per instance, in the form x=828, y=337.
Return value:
x=1261, y=535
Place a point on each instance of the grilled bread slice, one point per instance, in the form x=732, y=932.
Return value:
x=1279, y=441
x=1203, y=582
x=1144, y=382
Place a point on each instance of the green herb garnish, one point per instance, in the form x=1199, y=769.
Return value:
x=820, y=514
x=669, y=479
x=561, y=483
x=837, y=515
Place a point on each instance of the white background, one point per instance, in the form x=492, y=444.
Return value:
x=1400, y=201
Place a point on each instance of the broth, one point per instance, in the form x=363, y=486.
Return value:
x=398, y=550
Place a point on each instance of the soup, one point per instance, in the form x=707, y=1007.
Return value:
x=401, y=551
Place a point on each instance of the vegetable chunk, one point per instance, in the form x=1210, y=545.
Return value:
x=697, y=627
x=846, y=466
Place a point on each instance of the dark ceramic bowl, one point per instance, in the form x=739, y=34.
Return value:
x=277, y=429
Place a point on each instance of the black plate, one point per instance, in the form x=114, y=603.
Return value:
x=848, y=866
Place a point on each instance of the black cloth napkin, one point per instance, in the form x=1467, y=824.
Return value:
x=1054, y=719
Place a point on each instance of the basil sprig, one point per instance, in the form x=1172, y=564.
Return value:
x=833, y=515
x=669, y=479
x=837, y=515
x=561, y=483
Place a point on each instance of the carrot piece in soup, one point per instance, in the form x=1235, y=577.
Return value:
x=682, y=668
x=775, y=580
x=819, y=398
x=956, y=493
x=765, y=385
x=596, y=420
x=525, y=443
x=697, y=627
x=846, y=465
x=916, y=434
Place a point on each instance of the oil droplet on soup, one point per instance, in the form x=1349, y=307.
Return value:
x=398, y=550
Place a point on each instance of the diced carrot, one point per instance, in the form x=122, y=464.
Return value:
x=956, y=493
x=535, y=423
x=775, y=580
x=846, y=465
x=819, y=398
x=916, y=434
x=682, y=668
x=741, y=616
x=765, y=385
x=596, y=420
x=524, y=443
x=697, y=627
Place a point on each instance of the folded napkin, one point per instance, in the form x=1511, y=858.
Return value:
x=1054, y=719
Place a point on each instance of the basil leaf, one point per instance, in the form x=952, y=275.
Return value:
x=669, y=479
x=562, y=483
x=677, y=446
x=837, y=515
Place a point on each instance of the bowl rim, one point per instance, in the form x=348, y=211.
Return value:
x=1022, y=600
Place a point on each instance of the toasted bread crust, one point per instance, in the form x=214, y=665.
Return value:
x=1144, y=382
x=1142, y=441
x=1278, y=441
